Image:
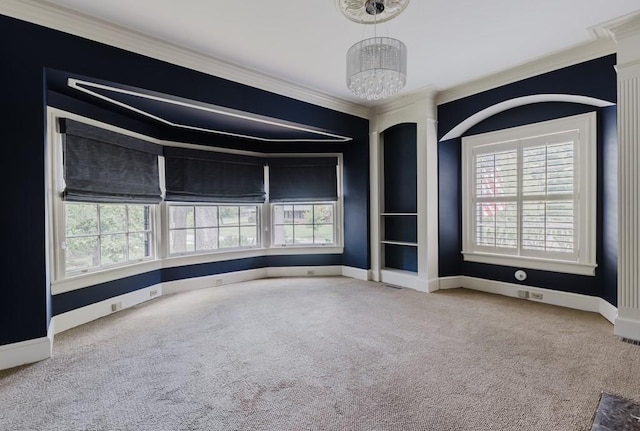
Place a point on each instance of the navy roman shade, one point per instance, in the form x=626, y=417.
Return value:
x=300, y=179
x=207, y=176
x=105, y=166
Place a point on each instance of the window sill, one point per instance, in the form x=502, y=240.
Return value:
x=83, y=280
x=531, y=263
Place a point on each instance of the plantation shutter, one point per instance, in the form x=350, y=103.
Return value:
x=105, y=166
x=300, y=179
x=496, y=203
x=206, y=176
x=548, y=194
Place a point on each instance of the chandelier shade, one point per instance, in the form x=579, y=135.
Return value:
x=376, y=67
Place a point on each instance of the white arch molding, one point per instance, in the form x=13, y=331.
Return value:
x=479, y=116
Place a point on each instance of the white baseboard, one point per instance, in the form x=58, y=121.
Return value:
x=627, y=324
x=194, y=283
x=304, y=271
x=401, y=278
x=608, y=311
x=576, y=301
x=357, y=273
x=450, y=282
x=25, y=352
x=86, y=314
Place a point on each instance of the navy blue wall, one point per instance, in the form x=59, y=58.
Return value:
x=594, y=78
x=41, y=52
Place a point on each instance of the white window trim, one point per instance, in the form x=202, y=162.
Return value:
x=61, y=283
x=585, y=188
x=335, y=229
x=165, y=214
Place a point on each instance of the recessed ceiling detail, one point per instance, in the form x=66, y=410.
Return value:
x=203, y=117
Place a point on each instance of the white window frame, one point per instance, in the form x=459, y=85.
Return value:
x=334, y=204
x=218, y=250
x=583, y=261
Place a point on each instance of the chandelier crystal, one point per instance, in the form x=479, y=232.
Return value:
x=377, y=66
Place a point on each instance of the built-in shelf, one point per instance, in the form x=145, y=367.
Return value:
x=409, y=244
x=399, y=214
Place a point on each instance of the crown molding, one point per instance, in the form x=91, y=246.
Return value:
x=425, y=95
x=620, y=28
x=69, y=21
x=601, y=45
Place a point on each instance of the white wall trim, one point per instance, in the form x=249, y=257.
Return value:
x=575, y=301
x=627, y=323
x=608, y=311
x=450, y=282
x=91, y=312
x=396, y=277
x=584, y=52
x=357, y=273
x=482, y=115
x=76, y=23
x=25, y=352
x=304, y=271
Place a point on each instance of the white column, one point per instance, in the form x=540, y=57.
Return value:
x=375, y=196
x=427, y=153
x=627, y=35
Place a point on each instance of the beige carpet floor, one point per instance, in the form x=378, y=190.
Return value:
x=325, y=354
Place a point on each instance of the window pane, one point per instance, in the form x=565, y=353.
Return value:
x=278, y=214
x=283, y=235
x=180, y=217
x=548, y=169
x=496, y=174
x=229, y=216
x=139, y=219
x=230, y=236
x=139, y=246
x=303, y=213
x=113, y=249
x=560, y=229
x=113, y=218
x=248, y=215
x=288, y=214
x=560, y=170
x=206, y=216
x=497, y=224
x=324, y=234
x=181, y=241
x=548, y=226
x=81, y=253
x=323, y=214
x=303, y=234
x=206, y=239
x=81, y=219
x=248, y=236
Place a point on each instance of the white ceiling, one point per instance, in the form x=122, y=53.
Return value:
x=450, y=42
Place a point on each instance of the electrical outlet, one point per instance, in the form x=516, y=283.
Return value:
x=523, y=294
x=116, y=306
x=153, y=292
x=535, y=295
x=311, y=272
